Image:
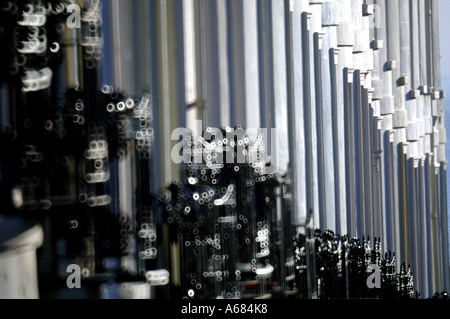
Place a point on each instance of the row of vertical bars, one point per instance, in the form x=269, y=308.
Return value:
x=352, y=86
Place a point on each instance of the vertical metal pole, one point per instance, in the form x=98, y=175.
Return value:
x=314, y=25
x=280, y=81
x=329, y=42
x=398, y=121
x=296, y=116
x=345, y=40
x=236, y=63
x=222, y=52
x=251, y=63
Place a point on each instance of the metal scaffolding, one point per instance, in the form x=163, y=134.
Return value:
x=353, y=87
